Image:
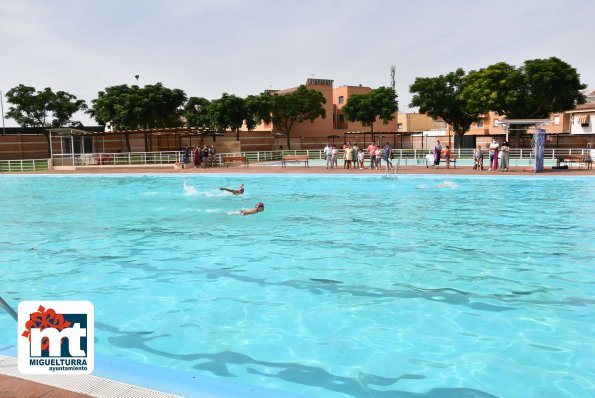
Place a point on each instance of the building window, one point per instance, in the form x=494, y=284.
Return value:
x=341, y=118
x=556, y=120
x=480, y=124
x=341, y=99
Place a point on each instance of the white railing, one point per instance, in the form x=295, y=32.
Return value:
x=117, y=158
x=12, y=166
x=412, y=154
x=404, y=156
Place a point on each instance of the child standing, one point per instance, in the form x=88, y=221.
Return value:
x=478, y=156
x=360, y=157
x=447, y=156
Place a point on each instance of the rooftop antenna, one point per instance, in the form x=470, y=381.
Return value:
x=393, y=70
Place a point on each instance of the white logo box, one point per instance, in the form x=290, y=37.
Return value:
x=80, y=362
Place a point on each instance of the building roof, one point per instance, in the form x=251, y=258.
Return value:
x=588, y=107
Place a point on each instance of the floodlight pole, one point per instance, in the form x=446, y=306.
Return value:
x=2, y=106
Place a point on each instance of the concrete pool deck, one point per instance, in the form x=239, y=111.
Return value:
x=15, y=384
x=262, y=168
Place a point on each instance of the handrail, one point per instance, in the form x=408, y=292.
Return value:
x=171, y=157
x=24, y=165
x=8, y=309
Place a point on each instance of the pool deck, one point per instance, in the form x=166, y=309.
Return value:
x=258, y=168
x=15, y=384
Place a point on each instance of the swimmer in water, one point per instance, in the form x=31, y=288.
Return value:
x=238, y=191
x=257, y=209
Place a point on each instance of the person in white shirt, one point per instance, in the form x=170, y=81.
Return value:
x=328, y=153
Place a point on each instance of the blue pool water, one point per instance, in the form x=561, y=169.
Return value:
x=346, y=286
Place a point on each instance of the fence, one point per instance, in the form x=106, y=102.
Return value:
x=24, y=165
x=415, y=156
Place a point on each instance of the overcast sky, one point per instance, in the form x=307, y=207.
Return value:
x=207, y=47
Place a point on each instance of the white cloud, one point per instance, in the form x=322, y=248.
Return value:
x=242, y=47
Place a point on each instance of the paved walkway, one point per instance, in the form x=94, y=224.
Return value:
x=295, y=169
x=17, y=385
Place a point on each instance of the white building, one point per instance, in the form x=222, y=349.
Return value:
x=582, y=118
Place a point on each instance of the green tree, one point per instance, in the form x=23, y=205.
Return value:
x=132, y=107
x=196, y=113
x=228, y=112
x=440, y=97
x=43, y=109
x=535, y=90
x=380, y=103
x=258, y=109
x=296, y=106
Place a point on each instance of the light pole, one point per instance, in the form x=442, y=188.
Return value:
x=2, y=106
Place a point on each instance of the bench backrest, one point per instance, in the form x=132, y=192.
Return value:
x=296, y=157
x=234, y=158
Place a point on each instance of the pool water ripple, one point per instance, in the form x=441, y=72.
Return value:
x=344, y=287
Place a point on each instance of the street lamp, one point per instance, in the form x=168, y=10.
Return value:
x=2, y=106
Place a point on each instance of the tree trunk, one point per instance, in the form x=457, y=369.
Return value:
x=146, y=143
x=127, y=137
x=288, y=141
x=372, y=131
x=47, y=137
x=237, y=134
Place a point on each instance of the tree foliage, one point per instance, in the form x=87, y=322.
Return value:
x=380, y=103
x=196, y=114
x=440, y=97
x=44, y=109
x=228, y=112
x=30, y=108
x=535, y=90
x=297, y=106
x=132, y=107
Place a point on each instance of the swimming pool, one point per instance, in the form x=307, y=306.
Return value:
x=363, y=286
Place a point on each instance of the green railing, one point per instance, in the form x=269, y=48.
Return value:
x=18, y=166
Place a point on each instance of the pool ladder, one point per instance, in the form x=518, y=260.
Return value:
x=395, y=167
x=8, y=309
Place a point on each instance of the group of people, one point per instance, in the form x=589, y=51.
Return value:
x=438, y=152
x=355, y=156
x=498, y=154
x=259, y=207
x=201, y=156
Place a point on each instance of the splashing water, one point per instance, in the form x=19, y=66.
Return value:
x=189, y=190
x=448, y=184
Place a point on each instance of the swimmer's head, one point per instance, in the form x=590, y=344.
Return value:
x=260, y=205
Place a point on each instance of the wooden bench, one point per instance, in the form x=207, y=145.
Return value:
x=430, y=160
x=227, y=160
x=295, y=158
x=580, y=159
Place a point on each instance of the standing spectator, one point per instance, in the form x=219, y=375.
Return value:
x=505, y=156
x=494, y=149
x=328, y=153
x=478, y=156
x=437, y=154
x=372, y=151
x=379, y=153
x=212, y=153
x=447, y=156
x=197, y=157
x=335, y=154
x=205, y=156
x=360, y=157
x=355, y=156
x=388, y=155
x=187, y=151
x=348, y=157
